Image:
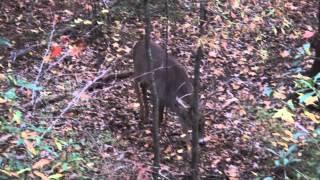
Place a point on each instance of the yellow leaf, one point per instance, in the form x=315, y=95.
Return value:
x=30, y=147
x=283, y=144
x=2, y=77
x=279, y=95
x=286, y=139
x=287, y=132
x=312, y=116
x=58, y=144
x=55, y=176
x=311, y=100
x=105, y=11
x=179, y=158
x=78, y=20
x=41, y=163
x=41, y=175
x=8, y=173
x=2, y=101
x=87, y=22
x=28, y=134
x=47, y=59
x=180, y=151
x=285, y=115
x=276, y=134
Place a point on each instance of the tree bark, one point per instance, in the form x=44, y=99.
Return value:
x=315, y=44
x=195, y=105
x=155, y=100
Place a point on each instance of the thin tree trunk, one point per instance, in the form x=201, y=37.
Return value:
x=155, y=100
x=315, y=44
x=195, y=105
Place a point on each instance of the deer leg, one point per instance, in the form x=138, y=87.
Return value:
x=161, y=112
x=145, y=102
x=140, y=100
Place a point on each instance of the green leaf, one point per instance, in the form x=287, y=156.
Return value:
x=306, y=48
x=267, y=91
x=17, y=117
x=277, y=163
x=55, y=176
x=285, y=161
x=25, y=84
x=298, y=134
x=290, y=104
x=10, y=94
x=306, y=83
x=302, y=99
x=285, y=115
x=316, y=77
x=23, y=170
x=5, y=42
x=291, y=149
x=268, y=178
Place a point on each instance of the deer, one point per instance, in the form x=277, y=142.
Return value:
x=173, y=86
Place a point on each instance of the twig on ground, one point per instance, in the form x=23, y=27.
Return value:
x=75, y=99
x=43, y=62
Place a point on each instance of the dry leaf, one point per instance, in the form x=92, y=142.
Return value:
x=41, y=163
x=41, y=175
x=232, y=172
x=29, y=146
x=284, y=54
x=308, y=34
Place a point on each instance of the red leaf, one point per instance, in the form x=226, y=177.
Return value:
x=55, y=51
x=308, y=34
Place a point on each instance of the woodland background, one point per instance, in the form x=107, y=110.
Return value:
x=262, y=117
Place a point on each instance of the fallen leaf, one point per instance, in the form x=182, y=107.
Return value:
x=308, y=34
x=284, y=54
x=29, y=146
x=41, y=163
x=41, y=175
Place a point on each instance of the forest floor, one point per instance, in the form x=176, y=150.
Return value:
x=246, y=52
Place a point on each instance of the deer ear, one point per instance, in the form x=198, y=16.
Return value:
x=182, y=103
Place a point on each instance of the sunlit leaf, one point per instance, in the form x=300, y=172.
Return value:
x=56, y=176
x=58, y=144
x=283, y=144
x=29, y=146
x=279, y=95
x=41, y=163
x=285, y=115
x=41, y=175
x=28, y=85
x=2, y=101
x=104, y=11
x=5, y=42
x=311, y=100
x=78, y=20
x=8, y=173
x=28, y=134
x=290, y=104
x=267, y=91
x=10, y=94
x=306, y=48
x=17, y=117
x=23, y=170
x=87, y=22
x=312, y=116
x=305, y=97
x=316, y=77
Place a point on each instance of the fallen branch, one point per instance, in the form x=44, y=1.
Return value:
x=75, y=100
x=106, y=79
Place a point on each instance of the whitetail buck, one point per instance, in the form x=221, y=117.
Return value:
x=174, y=88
